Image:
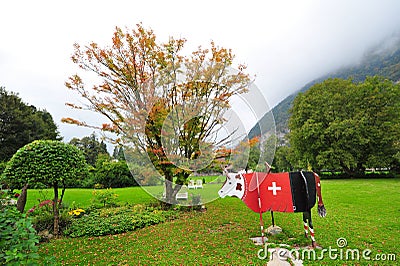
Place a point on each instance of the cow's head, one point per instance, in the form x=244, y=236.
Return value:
x=234, y=185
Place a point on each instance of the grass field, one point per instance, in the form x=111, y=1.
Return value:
x=364, y=212
x=83, y=197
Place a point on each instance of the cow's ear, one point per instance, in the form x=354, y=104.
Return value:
x=227, y=167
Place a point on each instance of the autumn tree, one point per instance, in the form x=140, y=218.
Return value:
x=167, y=106
x=340, y=124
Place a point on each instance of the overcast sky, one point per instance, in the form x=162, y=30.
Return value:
x=285, y=44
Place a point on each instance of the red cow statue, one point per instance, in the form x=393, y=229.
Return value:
x=282, y=192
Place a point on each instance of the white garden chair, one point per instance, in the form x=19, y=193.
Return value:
x=199, y=183
x=191, y=184
x=183, y=193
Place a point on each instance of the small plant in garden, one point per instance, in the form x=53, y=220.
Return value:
x=105, y=197
x=18, y=238
x=138, y=208
x=76, y=213
x=98, y=186
x=43, y=219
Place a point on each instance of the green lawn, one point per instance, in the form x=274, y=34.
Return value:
x=365, y=212
x=82, y=197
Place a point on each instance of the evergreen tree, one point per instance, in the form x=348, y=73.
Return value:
x=21, y=124
x=91, y=147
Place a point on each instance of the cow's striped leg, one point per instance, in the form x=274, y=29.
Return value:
x=314, y=244
x=307, y=217
x=305, y=225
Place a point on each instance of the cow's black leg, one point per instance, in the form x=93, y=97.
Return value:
x=272, y=218
x=307, y=217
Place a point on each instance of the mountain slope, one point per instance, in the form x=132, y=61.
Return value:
x=382, y=60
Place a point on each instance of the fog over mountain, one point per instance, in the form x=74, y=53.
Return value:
x=382, y=59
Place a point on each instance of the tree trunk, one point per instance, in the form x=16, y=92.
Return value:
x=55, y=210
x=170, y=189
x=21, y=202
x=62, y=194
x=347, y=170
x=354, y=172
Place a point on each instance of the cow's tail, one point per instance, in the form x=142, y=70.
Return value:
x=321, y=206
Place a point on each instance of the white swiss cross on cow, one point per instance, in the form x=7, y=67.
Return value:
x=274, y=188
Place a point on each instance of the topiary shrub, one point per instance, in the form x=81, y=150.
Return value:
x=52, y=163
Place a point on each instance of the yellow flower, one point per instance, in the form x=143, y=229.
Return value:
x=76, y=212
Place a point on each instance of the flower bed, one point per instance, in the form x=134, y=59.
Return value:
x=108, y=221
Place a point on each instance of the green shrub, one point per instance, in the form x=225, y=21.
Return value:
x=114, y=174
x=104, y=197
x=98, y=186
x=2, y=167
x=88, y=181
x=45, y=162
x=108, y=221
x=52, y=163
x=18, y=238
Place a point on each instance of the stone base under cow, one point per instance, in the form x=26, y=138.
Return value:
x=258, y=240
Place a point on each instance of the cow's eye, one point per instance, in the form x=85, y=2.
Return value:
x=230, y=183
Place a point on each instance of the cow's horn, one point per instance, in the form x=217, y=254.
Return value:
x=226, y=171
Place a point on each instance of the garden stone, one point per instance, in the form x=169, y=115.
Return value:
x=274, y=230
x=45, y=235
x=258, y=241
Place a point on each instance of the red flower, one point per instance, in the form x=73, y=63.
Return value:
x=46, y=202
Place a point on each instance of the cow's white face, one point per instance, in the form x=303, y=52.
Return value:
x=233, y=186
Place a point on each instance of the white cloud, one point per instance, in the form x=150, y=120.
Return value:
x=285, y=43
